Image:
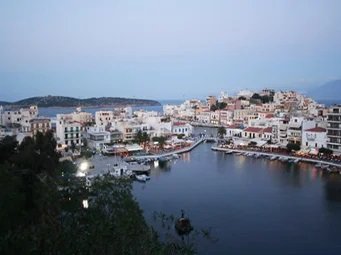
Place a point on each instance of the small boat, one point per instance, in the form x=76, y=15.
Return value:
x=319, y=165
x=183, y=225
x=228, y=152
x=142, y=177
x=324, y=167
x=283, y=159
x=274, y=158
x=297, y=160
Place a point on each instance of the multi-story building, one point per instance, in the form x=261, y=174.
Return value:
x=20, y=117
x=334, y=129
x=104, y=118
x=41, y=125
x=211, y=100
x=294, y=130
x=68, y=132
x=77, y=116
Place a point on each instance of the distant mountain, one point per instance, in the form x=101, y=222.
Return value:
x=4, y=103
x=328, y=91
x=60, y=101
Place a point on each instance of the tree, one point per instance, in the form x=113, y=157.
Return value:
x=221, y=105
x=7, y=147
x=325, y=151
x=252, y=144
x=42, y=204
x=213, y=108
x=73, y=146
x=139, y=137
x=221, y=132
x=145, y=139
x=293, y=147
x=161, y=140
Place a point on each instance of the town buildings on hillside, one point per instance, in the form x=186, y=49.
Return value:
x=271, y=117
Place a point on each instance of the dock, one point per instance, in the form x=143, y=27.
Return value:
x=315, y=161
x=171, y=153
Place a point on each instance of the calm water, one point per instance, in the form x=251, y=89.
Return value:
x=53, y=111
x=254, y=206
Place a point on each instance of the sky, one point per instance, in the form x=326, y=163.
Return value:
x=173, y=49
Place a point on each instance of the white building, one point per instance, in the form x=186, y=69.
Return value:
x=180, y=128
x=104, y=118
x=314, y=138
x=97, y=137
x=20, y=117
x=68, y=132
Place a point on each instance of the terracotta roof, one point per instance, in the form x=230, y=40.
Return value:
x=253, y=130
x=267, y=130
x=317, y=130
x=179, y=124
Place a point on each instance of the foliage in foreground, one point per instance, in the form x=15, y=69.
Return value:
x=42, y=212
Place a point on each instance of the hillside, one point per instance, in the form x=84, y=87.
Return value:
x=328, y=91
x=60, y=101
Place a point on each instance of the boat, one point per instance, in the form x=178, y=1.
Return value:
x=274, y=158
x=319, y=165
x=175, y=156
x=283, y=159
x=324, y=167
x=142, y=177
x=228, y=152
x=297, y=160
x=183, y=225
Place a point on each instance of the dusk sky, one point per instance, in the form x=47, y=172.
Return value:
x=165, y=49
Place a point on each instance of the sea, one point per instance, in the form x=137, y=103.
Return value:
x=53, y=111
x=242, y=205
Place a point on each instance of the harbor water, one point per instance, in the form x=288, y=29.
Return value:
x=250, y=206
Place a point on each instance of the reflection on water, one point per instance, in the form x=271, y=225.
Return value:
x=275, y=207
x=333, y=188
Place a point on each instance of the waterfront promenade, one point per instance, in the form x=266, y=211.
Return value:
x=171, y=153
x=315, y=161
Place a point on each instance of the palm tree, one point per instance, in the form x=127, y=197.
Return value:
x=221, y=132
x=139, y=137
x=145, y=139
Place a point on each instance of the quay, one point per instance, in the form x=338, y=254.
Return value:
x=315, y=161
x=171, y=153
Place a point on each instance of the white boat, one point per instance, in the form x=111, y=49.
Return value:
x=297, y=160
x=274, y=157
x=142, y=177
x=228, y=152
x=319, y=165
x=176, y=156
x=325, y=167
x=283, y=159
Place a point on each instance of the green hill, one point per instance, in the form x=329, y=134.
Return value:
x=60, y=101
